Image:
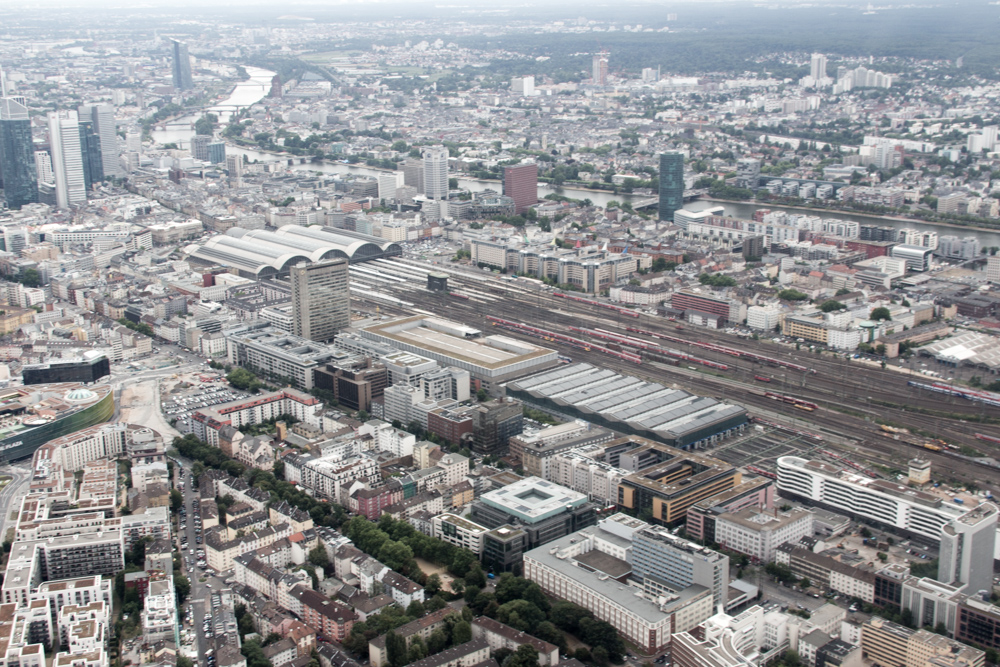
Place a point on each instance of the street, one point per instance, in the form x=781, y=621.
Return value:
x=10, y=496
x=199, y=600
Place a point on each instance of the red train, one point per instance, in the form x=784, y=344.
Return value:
x=791, y=400
x=761, y=378
x=725, y=350
x=562, y=338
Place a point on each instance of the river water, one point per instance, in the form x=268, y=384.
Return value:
x=257, y=86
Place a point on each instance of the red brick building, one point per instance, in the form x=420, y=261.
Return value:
x=520, y=183
x=329, y=619
x=450, y=425
x=370, y=502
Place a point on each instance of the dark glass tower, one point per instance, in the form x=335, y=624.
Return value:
x=181, y=66
x=17, y=154
x=90, y=150
x=671, y=185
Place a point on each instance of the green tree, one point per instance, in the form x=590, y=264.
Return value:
x=831, y=305
x=395, y=649
x=520, y=614
x=416, y=609
x=880, y=313
x=176, y=500
x=804, y=582
x=182, y=588
x=319, y=557
x=461, y=633
x=526, y=655
x=418, y=650
x=792, y=295
x=241, y=378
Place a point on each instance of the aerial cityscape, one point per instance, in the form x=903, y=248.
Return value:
x=500, y=335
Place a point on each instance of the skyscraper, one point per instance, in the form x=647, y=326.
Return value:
x=671, y=184
x=43, y=166
x=599, y=72
x=217, y=154
x=199, y=146
x=321, y=299
x=181, y=66
x=967, y=549
x=520, y=183
x=436, y=172
x=67, y=158
x=817, y=66
x=17, y=154
x=90, y=149
x=103, y=118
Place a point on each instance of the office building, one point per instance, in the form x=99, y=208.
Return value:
x=43, y=167
x=67, y=158
x=591, y=568
x=216, y=154
x=199, y=146
x=885, y=502
x=599, y=68
x=665, y=562
x=180, y=66
x=671, y=185
x=758, y=533
x=90, y=149
x=234, y=167
x=978, y=623
x=918, y=258
x=321, y=299
x=748, y=173
x=750, y=492
x=90, y=368
x=494, y=423
x=542, y=510
x=435, y=169
x=458, y=530
x=18, y=170
x=967, y=545
x=535, y=448
x=520, y=183
x=103, y=118
x=275, y=354
x=888, y=644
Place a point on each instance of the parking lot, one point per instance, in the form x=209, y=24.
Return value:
x=191, y=391
x=762, y=446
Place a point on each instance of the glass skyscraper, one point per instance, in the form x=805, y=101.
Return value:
x=17, y=154
x=671, y=185
x=90, y=147
x=181, y=66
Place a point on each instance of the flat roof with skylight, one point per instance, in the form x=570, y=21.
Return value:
x=533, y=499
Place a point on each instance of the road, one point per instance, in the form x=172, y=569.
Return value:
x=10, y=496
x=199, y=600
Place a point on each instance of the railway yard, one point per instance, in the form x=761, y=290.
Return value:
x=849, y=412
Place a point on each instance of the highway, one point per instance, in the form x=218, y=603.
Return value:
x=11, y=495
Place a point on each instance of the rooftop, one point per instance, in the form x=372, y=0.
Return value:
x=533, y=499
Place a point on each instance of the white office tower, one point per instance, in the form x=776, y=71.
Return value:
x=817, y=66
x=436, y=172
x=990, y=137
x=967, y=545
x=67, y=160
x=103, y=117
x=43, y=166
x=133, y=142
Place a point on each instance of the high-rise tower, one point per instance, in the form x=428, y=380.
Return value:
x=17, y=154
x=520, y=183
x=321, y=299
x=181, y=66
x=817, y=66
x=671, y=185
x=67, y=158
x=599, y=67
x=436, y=172
x=103, y=118
x=90, y=149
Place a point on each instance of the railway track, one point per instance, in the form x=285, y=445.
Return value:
x=837, y=386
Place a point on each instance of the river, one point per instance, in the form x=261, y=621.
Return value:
x=244, y=94
x=257, y=86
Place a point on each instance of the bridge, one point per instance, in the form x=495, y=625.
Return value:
x=689, y=195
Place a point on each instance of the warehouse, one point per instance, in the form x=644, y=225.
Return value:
x=629, y=405
x=489, y=359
